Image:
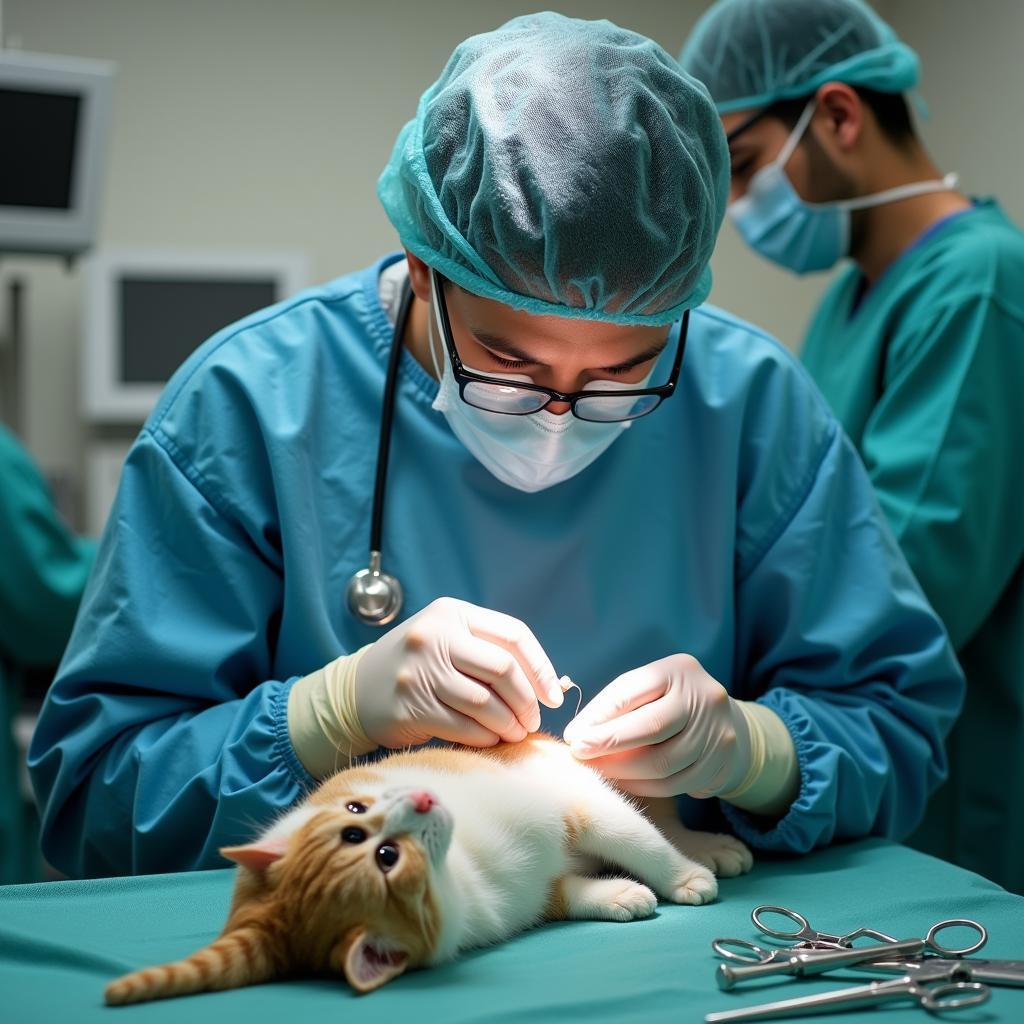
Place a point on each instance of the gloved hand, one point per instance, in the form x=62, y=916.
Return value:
x=452, y=671
x=456, y=672
x=664, y=729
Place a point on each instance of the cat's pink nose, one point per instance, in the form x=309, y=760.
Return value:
x=422, y=800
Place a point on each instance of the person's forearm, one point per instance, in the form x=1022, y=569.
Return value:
x=164, y=795
x=853, y=661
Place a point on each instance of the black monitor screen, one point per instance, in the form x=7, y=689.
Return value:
x=40, y=133
x=164, y=319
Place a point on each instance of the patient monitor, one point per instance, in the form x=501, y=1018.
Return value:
x=54, y=130
x=148, y=309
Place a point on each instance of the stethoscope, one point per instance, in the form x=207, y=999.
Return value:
x=375, y=597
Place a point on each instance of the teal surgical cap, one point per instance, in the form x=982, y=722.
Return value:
x=564, y=167
x=750, y=53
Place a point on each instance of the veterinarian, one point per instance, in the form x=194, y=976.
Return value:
x=701, y=549
x=43, y=569
x=918, y=346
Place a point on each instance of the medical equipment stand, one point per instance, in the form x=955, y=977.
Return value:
x=11, y=356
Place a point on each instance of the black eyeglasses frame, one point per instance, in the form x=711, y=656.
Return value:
x=464, y=377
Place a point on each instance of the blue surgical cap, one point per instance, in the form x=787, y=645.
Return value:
x=564, y=167
x=750, y=53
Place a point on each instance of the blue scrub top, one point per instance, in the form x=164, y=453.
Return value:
x=736, y=523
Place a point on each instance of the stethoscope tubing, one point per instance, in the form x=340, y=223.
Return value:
x=387, y=416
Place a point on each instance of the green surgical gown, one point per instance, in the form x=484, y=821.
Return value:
x=43, y=569
x=926, y=373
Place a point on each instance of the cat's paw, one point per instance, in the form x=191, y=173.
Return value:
x=629, y=900
x=615, y=899
x=694, y=886
x=723, y=854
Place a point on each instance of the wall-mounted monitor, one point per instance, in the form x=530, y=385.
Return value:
x=55, y=115
x=148, y=309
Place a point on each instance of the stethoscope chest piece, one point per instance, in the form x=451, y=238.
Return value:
x=374, y=597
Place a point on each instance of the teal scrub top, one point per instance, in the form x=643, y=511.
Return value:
x=926, y=374
x=43, y=569
x=735, y=523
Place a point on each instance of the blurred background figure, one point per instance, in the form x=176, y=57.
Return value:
x=918, y=345
x=43, y=569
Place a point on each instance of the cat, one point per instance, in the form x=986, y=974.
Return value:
x=408, y=861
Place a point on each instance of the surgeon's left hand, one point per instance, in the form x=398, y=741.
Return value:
x=664, y=729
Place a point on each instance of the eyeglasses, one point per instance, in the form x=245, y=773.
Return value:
x=749, y=122
x=512, y=398
x=777, y=108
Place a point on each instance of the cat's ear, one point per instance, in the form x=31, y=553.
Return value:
x=257, y=856
x=369, y=962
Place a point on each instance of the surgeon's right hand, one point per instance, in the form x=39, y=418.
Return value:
x=453, y=671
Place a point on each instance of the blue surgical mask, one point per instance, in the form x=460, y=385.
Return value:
x=531, y=452
x=802, y=236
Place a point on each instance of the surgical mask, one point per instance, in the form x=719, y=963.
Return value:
x=802, y=236
x=532, y=452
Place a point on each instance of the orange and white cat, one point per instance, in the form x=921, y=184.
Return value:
x=409, y=861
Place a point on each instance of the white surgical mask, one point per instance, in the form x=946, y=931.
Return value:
x=802, y=236
x=531, y=452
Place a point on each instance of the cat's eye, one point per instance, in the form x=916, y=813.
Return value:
x=353, y=835
x=387, y=856
x=355, y=807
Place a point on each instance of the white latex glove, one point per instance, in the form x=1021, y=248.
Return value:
x=664, y=729
x=455, y=672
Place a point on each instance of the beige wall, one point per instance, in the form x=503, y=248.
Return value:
x=250, y=123
x=973, y=84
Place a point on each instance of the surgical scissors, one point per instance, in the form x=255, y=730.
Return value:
x=802, y=962
x=810, y=938
x=947, y=995
x=931, y=968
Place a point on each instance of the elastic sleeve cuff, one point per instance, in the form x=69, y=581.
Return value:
x=806, y=824
x=283, y=748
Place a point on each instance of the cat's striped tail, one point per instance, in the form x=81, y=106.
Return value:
x=240, y=957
